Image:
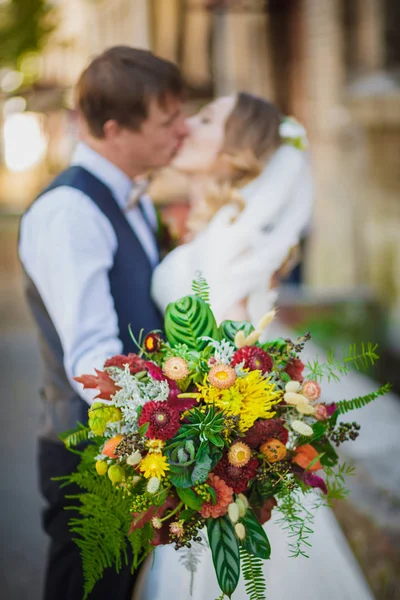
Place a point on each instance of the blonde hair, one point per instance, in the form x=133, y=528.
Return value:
x=251, y=137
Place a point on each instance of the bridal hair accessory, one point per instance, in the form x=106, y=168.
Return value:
x=292, y=132
x=207, y=428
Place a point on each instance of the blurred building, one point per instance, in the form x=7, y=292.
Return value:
x=331, y=63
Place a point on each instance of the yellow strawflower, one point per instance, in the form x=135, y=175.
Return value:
x=154, y=465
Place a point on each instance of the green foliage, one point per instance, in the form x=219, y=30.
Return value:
x=253, y=575
x=188, y=320
x=225, y=553
x=205, y=426
x=360, y=358
x=25, y=26
x=201, y=288
x=319, y=430
x=190, y=498
x=76, y=436
x=100, y=415
x=228, y=329
x=345, y=406
x=101, y=527
x=335, y=481
x=297, y=520
x=328, y=455
x=188, y=465
x=256, y=541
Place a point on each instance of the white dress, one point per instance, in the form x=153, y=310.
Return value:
x=330, y=573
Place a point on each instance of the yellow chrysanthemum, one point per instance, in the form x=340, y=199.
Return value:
x=251, y=397
x=154, y=465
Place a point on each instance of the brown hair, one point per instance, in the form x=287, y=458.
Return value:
x=120, y=83
x=251, y=134
x=251, y=137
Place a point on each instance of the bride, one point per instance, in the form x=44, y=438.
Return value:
x=251, y=200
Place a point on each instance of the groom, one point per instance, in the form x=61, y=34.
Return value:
x=88, y=253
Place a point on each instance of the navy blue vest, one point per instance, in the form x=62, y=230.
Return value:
x=130, y=280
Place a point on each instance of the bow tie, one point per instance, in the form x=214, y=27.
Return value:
x=139, y=188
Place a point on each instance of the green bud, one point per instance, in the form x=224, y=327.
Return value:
x=115, y=474
x=101, y=467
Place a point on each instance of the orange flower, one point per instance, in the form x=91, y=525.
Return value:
x=224, y=498
x=273, y=450
x=304, y=455
x=111, y=445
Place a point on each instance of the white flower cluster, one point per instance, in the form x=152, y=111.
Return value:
x=224, y=350
x=131, y=396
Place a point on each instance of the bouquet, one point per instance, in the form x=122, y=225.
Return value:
x=207, y=431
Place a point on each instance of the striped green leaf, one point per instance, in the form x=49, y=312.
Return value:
x=225, y=553
x=187, y=320
x=228, y=329
x=256, y=541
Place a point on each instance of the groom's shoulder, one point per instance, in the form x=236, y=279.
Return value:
x=63, y=206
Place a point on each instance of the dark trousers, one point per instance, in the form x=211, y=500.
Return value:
x=64, y=577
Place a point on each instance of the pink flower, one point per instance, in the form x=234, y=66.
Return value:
x=314, y=481
x=331, y=408
x=311, y=390
x=321, y=412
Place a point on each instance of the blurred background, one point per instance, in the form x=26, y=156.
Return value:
x=335, y=66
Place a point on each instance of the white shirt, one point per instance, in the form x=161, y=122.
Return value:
x=68, y=261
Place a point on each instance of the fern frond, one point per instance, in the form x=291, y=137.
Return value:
x=345, y=406
x=101, y=522
x=200, y=287
x=361, y=359
x=74, y=437
x=251, y=567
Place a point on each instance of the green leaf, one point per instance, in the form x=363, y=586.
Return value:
x=344, y=406
x=215, y=439
x=329, y=457
x=228, y=329
x=190, y=498
x=180, y=476
x=201, y=470
x=225, y=553
x=213, y=494
x=188, y=320
x=256, y=541
x=252, y=570
x=143, y=429
x=187, y=514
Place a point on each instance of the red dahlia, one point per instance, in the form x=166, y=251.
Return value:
x=254, y=357
x=295, y=369
x=262, y=431
x=136, y=364
x=163, y=420
x=236, y=478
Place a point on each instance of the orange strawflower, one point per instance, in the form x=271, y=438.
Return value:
x=176, y=368
x=239, y=454
x=222, y=376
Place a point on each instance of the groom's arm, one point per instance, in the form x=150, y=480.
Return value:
x=67, y=247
